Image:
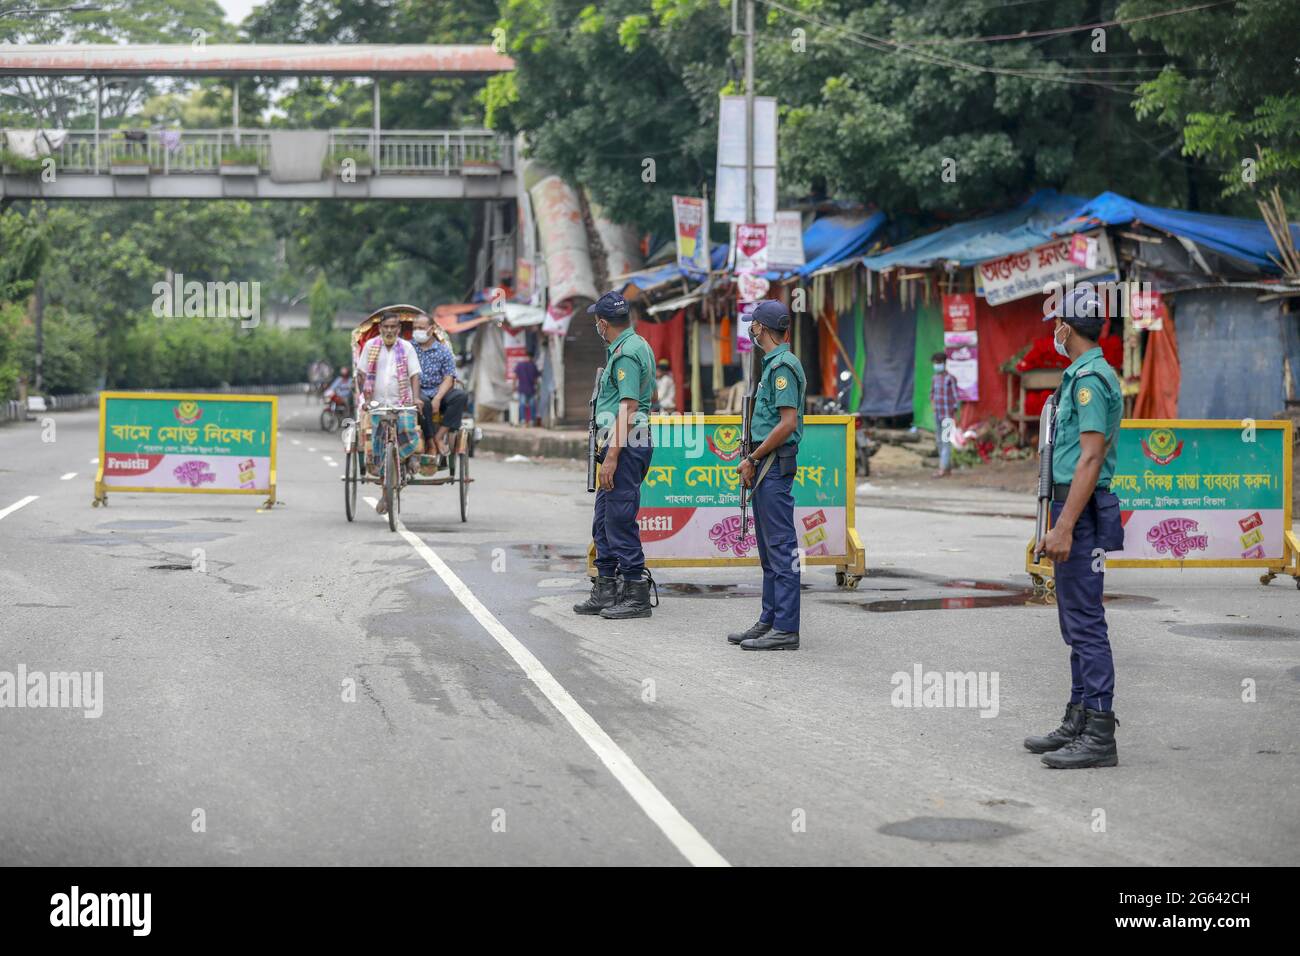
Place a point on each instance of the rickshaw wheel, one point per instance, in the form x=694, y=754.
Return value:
x=463, y=468
x=391, y=478
x=350, y=481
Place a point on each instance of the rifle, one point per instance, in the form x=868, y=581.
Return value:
x=747, y=439
x=591, y=432
x=1046, y=442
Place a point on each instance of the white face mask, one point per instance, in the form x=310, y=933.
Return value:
x=1060, y=345
x=420, y=335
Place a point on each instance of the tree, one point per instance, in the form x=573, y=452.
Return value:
x=1232, y=91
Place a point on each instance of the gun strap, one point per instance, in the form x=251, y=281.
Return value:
x=762, y=472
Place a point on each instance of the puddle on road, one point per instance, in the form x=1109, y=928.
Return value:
x=139, y=524
x=685, y=589
x=1236, y=632
x=171, y=567
x=949, y=829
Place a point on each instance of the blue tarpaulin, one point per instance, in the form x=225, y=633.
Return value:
x=828, y=241
x=1030, y=224
x=1247, y=240
x=1047, y=214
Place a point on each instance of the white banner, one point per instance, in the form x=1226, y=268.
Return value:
x=729, y=201
x=1027, y=273
x=786, y=241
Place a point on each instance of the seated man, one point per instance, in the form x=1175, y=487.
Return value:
x=438, y=391
x=390, y=375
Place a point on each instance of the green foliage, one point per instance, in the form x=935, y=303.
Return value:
x=19, y=164
x=207, y=353
x=1231, y=90
x=240, y=156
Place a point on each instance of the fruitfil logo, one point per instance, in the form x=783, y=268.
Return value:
x=188, y=412
x=1161, y=446
x=725, y=442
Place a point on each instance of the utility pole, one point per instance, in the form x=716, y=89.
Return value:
x=749, y=110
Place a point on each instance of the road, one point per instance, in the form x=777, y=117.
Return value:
x=332, y=693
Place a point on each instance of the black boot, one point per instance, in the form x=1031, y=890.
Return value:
x=1071, y=726
x=772, y=641
x=1094, y=747
x=604, y=592
x=634, y=601
x=757, y=630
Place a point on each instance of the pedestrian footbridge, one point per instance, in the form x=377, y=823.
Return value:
x=266, y=164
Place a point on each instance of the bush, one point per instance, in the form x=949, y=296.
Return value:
x=207, y=353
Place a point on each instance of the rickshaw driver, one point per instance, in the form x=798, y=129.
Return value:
x=390, y=375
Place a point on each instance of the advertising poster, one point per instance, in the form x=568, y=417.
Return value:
x=690, y=221
x=787, y=241
x=1194, y=491
x=751, y=247
x=963, y=363
x=959, y=312
x=175, y=442
x=690, y=500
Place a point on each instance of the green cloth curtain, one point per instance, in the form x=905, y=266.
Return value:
x=929, y=339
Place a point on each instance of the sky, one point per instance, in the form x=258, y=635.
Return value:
x=236, y=10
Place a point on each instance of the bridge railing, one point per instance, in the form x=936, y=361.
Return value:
x=405, y=152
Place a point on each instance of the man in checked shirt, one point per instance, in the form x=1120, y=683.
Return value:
x=438, y=391
x=946, y=403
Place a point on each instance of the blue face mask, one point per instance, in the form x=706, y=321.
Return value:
x=940, y=368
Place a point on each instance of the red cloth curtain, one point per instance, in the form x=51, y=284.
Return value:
x=668, y=340
x=1003, y=331
x=1157, y=395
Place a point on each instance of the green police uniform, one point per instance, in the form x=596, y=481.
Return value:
x=629, y=373
x=1090, y=401
x=781, y=385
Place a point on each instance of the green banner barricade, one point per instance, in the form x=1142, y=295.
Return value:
x=186, y=443
x=690, y=500
x=1202, y=494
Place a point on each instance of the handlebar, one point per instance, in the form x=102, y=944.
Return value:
x=375, y=408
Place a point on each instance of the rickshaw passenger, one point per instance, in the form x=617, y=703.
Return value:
x=438, y=391
x=390, y=375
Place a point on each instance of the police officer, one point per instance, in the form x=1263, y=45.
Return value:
x=1085, y=525
x=622, y=414
x=777, y=428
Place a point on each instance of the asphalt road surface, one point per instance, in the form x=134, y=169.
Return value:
x=322, y=692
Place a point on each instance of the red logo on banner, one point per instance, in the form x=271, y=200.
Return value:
x=656, y=524
x=118, y=463
x=959, y=312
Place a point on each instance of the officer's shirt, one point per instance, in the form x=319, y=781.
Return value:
x=1093, y=405
x=629, y=373
x=781, y=385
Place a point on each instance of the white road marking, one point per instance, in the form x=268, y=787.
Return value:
x=94, y=461
x=18, y=504
x=68, y=477
x=295, y=441
x=679, y=831
x=313, y=450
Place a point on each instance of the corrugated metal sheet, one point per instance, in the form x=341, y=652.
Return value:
x=182, y=59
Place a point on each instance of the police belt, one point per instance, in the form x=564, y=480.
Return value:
x=1061, y=492
x=784, y=451
x=638, y=436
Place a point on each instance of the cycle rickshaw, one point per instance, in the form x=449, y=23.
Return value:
x=419, y=468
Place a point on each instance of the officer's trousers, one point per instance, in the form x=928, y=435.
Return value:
x=773, y=506
x=1079, y=587
x=613, y=526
